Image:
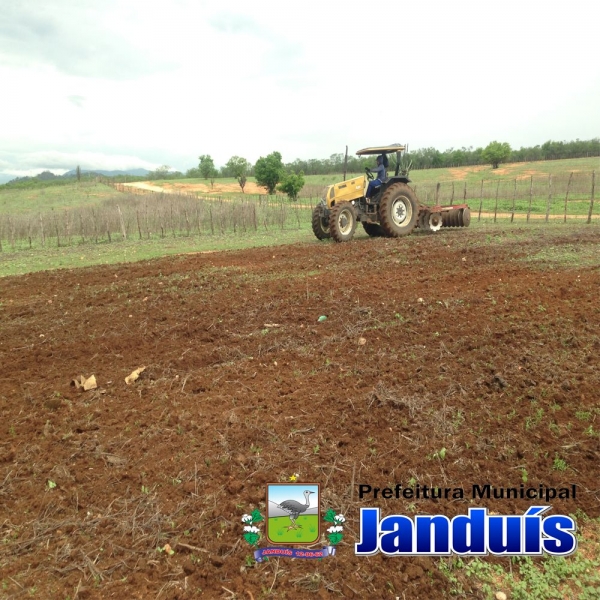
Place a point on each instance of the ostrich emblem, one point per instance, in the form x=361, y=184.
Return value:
x=295, y=508
x=284, y=501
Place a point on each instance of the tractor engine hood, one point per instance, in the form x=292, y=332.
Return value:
x=345, y=191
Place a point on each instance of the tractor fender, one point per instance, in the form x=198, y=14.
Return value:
x=396, y=179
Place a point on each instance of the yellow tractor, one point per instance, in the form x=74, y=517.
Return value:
x=392, y=210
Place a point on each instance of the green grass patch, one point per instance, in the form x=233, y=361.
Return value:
x=566, y=255
x=42, y=259
x=474, y=174
x=16, y=200
x=279, y=533
x=576, y=577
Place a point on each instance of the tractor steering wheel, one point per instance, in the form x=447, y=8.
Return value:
x=370, y=175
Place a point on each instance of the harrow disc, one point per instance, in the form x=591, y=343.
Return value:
x=450, y=218
x=465, y=217
x=435, y=221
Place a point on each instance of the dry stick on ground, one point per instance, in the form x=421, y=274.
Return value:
x=193, y=548
x=351, y=490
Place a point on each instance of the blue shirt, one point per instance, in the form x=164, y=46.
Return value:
x=379, y=170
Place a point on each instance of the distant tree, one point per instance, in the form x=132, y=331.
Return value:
x=459, y=157
x=193, y=173
x=238, y=167
x=268, y=171
x=78, y=173
x=496, y=153
x=161, y=172
x=212, y=175
x=207, y=166
x=291, y=184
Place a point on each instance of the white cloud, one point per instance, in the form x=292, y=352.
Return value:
x=164, y=83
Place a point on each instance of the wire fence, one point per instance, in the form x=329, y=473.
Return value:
x=552, y=197
x=150, y=215
x=143, y=214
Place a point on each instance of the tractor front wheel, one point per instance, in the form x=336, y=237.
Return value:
x=320, y=224
x=342, y=222
x=398, y=210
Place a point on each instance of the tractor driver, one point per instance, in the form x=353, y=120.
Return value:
x=380, y=177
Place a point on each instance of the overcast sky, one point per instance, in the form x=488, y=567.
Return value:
x=118, y=84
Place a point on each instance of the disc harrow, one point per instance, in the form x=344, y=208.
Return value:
x=458, y=217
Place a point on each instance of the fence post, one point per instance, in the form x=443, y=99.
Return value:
x=82, y=229
x=567, y=196
x=530, y=198
x=480, y=201
x=57, y=233
x=67, y=228
x=95, y=225
x=549, y=197
x=122, y=222
x=496, y=205
x=589, y=219
x=43, y=233
x=512, y=214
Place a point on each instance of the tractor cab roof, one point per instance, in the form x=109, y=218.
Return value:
x=381, y=149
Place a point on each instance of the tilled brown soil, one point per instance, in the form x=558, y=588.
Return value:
x=430, y=343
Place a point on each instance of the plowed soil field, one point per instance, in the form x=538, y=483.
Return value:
x=446, y=360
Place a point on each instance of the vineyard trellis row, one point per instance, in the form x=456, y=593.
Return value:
x=149, y=215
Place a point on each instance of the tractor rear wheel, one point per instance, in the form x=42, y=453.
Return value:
x=342, y=222
x=372, y=229
x=398, y=210
x=320, y=224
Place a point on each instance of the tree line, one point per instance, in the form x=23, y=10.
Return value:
x=422, y=158
x=273, y=174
